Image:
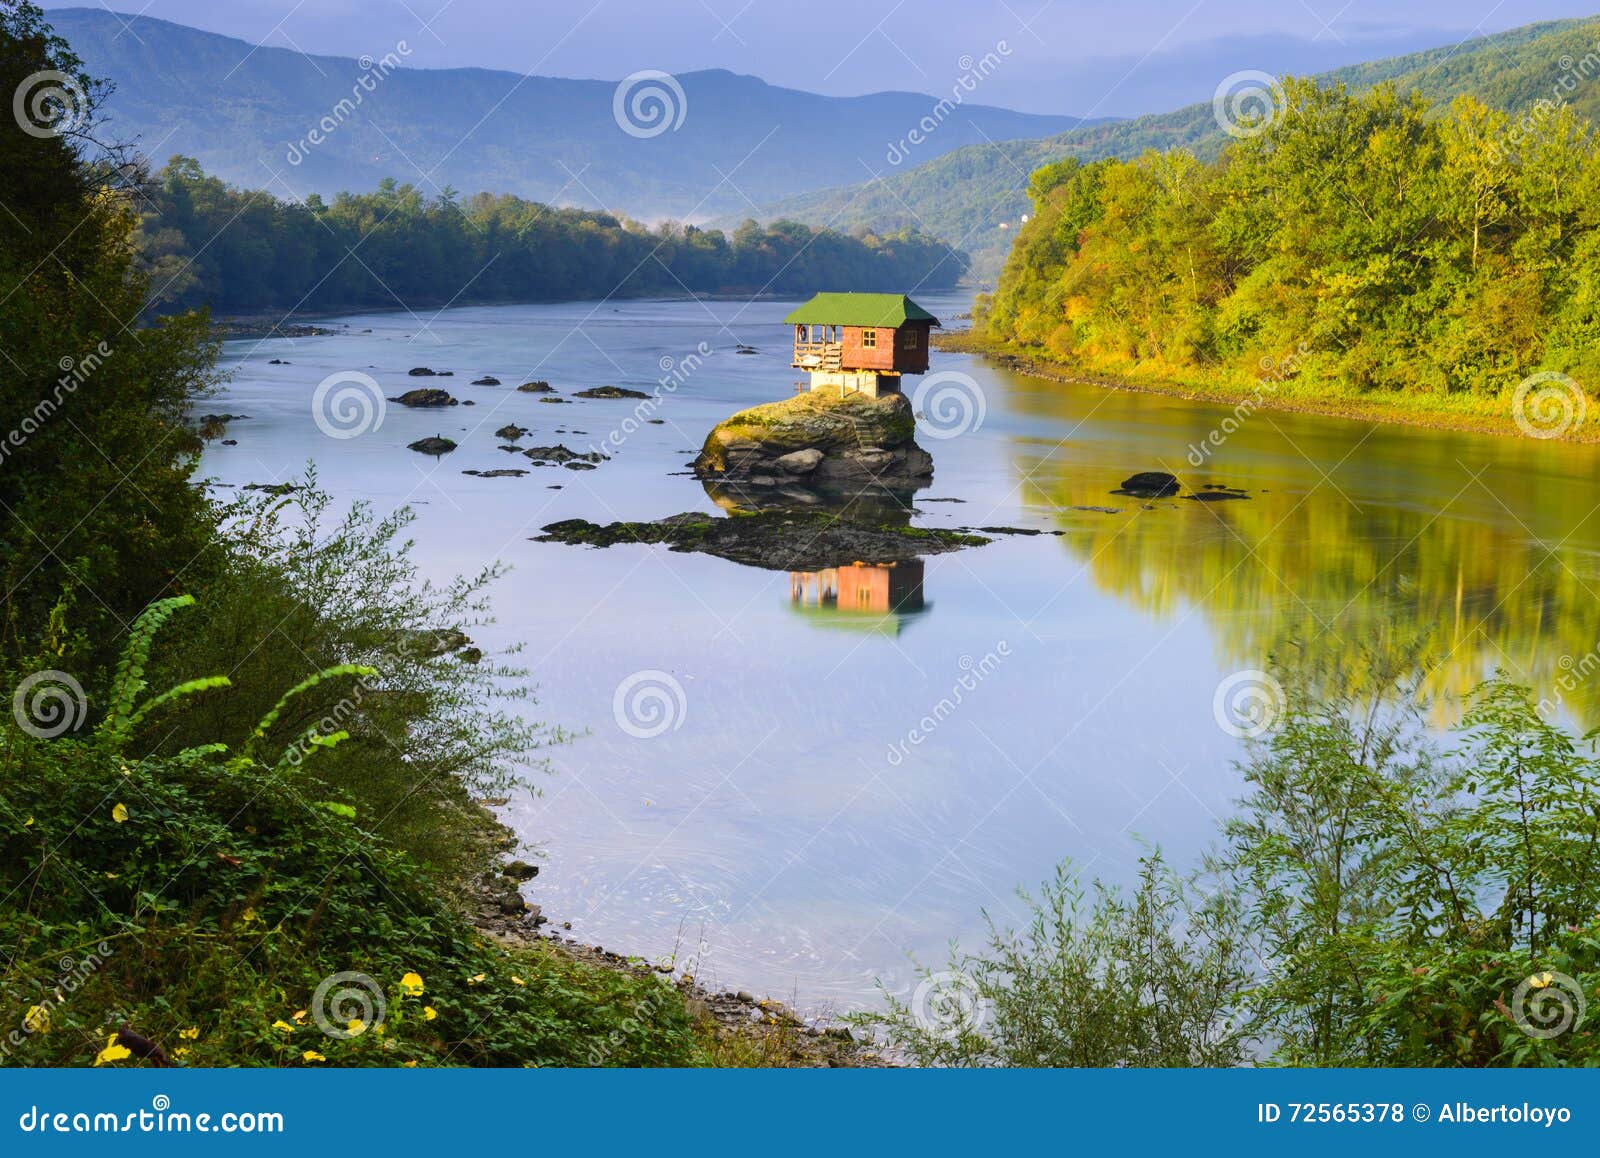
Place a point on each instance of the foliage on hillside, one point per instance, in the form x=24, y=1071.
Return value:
x=964, y=195
x=1357, y=246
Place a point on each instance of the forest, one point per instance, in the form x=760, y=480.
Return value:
x=204, y=242
x=1348, y=245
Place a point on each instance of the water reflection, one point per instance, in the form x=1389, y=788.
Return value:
x=874, y=597
x=1481, y=555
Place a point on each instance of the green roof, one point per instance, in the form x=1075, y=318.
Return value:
x=887, y=310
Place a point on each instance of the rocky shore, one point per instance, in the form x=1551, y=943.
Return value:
x=759, y=1031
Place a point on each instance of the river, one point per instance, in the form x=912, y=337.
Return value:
x=851, y=768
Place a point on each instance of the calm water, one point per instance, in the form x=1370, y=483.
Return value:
x=813, y=814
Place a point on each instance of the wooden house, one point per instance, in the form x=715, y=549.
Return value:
x=860, y=343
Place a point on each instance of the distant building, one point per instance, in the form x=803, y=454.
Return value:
x=861, y=343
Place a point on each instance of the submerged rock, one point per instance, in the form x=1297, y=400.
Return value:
x=773, y=540
x=430, y=396
x=511, y=472
x=540, y=455
x=511, y=431
x=611, y=392
x=538, y=387
x=486, y=380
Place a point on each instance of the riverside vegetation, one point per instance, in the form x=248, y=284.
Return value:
x=270, y=780
x=1352, y=253
x=235, y=768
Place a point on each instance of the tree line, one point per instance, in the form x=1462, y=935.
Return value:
x=205, y=242
x=1346, y=244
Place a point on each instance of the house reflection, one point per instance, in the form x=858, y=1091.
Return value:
x=876, y=597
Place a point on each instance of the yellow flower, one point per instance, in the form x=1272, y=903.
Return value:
x=37, y=1019
x=181, y=1051
x=476, y=978
x=429, y=1013
x=515, y=980
x=1541, y=980
x=190, y=1034
x=112, y=1052
x=119, y=812
x=28, y=823
x=300, y=1016
x=312, y=1055
x=283, y=1025
x=410, y=1065
x=411, y=985
x=355, y=1027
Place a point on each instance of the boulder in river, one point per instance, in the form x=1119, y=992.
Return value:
x=435, y=445
x=839, y=444
x=426, y=397
x=1149, y=484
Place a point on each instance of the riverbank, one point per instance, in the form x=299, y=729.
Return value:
x=731, y=1028
x=1469, y=415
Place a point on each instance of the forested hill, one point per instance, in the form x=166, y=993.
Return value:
x=205, y=242
x=967, y=194
x=247, y=112
x=1363, y=251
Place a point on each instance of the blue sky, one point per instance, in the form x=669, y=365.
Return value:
x=1087, y=57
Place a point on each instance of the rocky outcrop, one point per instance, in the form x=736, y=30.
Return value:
x=825, y=442
x=773, y=540
x=435, y=445
x=426, y=397
x=536, y=387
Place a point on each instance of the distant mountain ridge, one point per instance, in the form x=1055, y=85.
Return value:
x=250, y=114
x=973, y=197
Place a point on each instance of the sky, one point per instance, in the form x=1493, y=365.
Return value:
x=1080, y=57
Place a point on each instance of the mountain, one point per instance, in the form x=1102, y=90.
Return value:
x=252, y=115
x=974, y=196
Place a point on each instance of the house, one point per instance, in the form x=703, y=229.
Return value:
x=861, y=343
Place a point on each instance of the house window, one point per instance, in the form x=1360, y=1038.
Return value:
x=869, y=339
x=908, y=340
